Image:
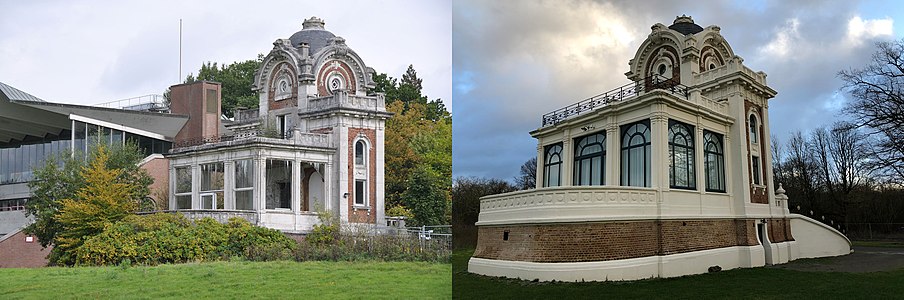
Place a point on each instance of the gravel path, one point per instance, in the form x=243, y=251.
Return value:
x=864, y=259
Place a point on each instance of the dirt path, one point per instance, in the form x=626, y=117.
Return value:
x=864, y=259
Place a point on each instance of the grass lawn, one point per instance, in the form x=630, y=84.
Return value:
x=884, y=244
x=268, y=280
x=754, y=283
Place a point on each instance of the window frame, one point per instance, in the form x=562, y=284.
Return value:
x=755, y=165
x=207, y=186
x=579, y=159
x=176, y=191
x=547, y=165
x=674, y=147
x=270, y=164
x=362, y=193
x=242, y=189
x=753, y=128
x=716, y=139
x=626, y=147
x=361, y=158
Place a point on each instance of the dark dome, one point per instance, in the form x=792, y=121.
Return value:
x=316, y=38
x=313, y=34
x=685, y=25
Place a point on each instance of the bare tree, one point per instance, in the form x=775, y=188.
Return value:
x=878, y=92
x=801, y=169
x=778, y=161
x=527, y=179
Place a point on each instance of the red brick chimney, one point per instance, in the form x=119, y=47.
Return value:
x=200, y=101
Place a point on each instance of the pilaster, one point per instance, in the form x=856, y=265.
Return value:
x=229, y=184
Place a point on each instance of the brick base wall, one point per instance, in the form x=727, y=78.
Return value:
x=601, y=241
x=15, y=252
x=780, y=230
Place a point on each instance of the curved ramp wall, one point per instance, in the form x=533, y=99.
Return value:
x=815, y=239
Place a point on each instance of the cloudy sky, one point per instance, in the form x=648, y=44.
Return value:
x=89, y=52
x=516, y=60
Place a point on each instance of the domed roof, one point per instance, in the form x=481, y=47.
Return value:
x=313, y=34
x=685, y=25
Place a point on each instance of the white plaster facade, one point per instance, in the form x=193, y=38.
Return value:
x=682, y=74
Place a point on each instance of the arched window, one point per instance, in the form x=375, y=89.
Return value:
x=681, y=156
x=590, y=160
x=635, y=154
x=552, y=165
x=362, y=174
x=714, y=162
x=359, y=152
x=753, y=129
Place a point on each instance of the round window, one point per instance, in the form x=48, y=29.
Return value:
x=662, y=69
x=712, y=66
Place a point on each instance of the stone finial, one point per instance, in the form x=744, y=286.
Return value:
x=313, y=23
x=779, y=190
x=683, y=19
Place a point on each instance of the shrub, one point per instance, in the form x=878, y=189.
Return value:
x=171, y=238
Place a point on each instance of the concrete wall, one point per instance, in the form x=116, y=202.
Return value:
x=815, y=239
x=11, y=221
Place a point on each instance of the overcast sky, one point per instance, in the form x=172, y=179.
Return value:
x=516, y=60
x=88, y=52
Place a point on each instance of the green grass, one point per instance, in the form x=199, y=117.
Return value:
x=235, y=280
x=754, y=283
x=883, y=244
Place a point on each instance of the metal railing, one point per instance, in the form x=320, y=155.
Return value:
x=618, y=94
x=151, y=102
x=225, y=138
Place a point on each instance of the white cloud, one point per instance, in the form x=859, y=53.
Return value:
x=859, y=30
x=784, y=40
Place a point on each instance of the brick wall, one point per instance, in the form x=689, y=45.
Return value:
x=361, y=216
x=780, y=230
x=158, y=168
x=292, y=101
x=601, y=241
x=757, y=194
x=15, y=252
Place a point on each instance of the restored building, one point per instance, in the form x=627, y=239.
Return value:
x=666, y=176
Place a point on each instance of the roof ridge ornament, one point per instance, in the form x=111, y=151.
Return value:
x=683, y=19
x=313, y=23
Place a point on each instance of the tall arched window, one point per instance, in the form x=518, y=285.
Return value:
x=590, y=160
x=362, y=174
x=552, y=165
x=681, y=156
x=714, y=162
x=635, y=154
x=753, y=129
x=359, y=152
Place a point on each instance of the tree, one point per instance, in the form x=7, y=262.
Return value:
x=105, y=198
x=527, y=179
x=426, y=196
x=465, y=209
x=60, y=177
x=236, y=80
x=418, y=139
x=878, y=100
x=409, y=91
